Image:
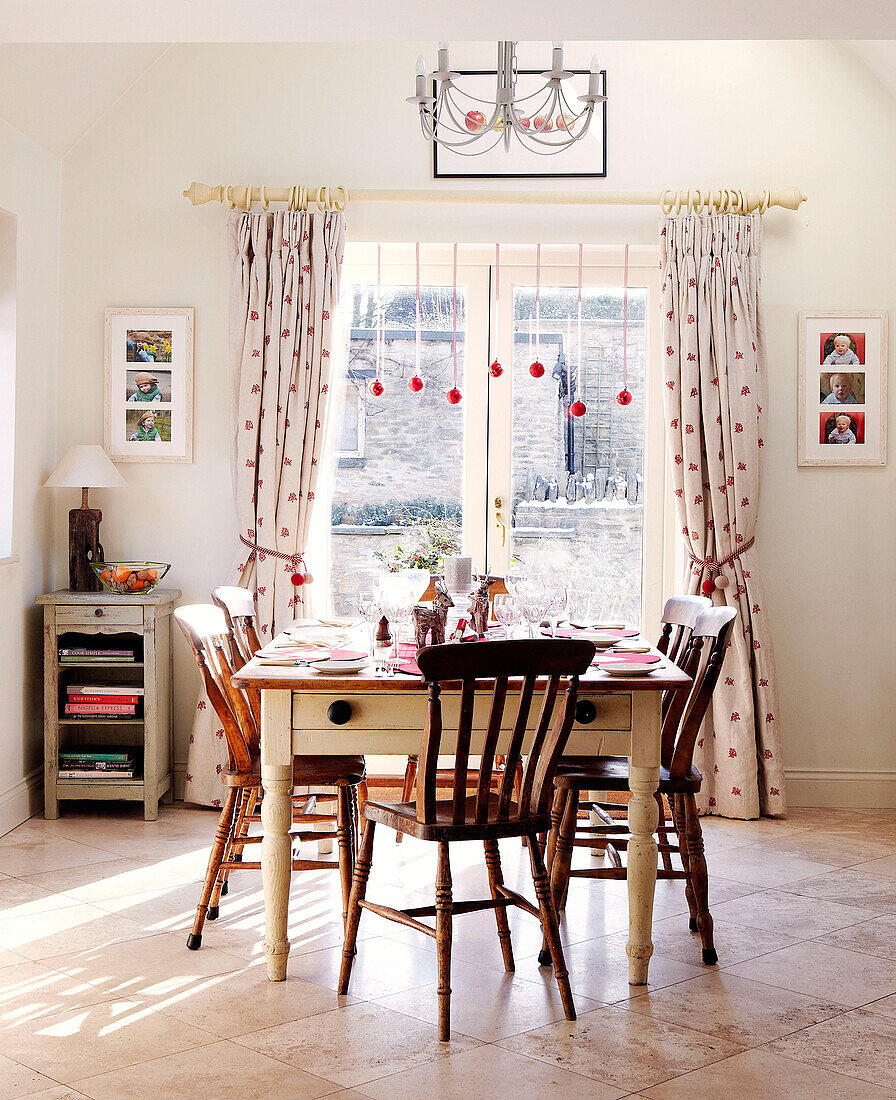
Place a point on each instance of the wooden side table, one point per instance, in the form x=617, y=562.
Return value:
x=98, y=620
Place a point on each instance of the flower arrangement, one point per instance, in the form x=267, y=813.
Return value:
x=433, y=538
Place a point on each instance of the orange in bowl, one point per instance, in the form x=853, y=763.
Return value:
x=125, y=577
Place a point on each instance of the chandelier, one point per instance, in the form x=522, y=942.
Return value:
x=541, y=118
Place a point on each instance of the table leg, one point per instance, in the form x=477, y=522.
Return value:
x=644, y=777
x=276, y=818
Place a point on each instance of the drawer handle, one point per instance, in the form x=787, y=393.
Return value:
x=586, y=712
x=99, y=612
x=339, y=712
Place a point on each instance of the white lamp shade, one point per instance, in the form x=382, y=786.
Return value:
x=85, y=466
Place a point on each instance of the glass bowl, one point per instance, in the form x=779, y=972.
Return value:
x=127, y=577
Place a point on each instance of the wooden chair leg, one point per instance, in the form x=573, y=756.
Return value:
x=344, y=845
x=407, y=789
x=550, y=925
x=678, y=819
x=359, y=890
x=661, y=831
x=564, y=833
x=443, y=939
x=496, y=879
x=216, y=856
x=246, y=805
x=556, y=817
x=360, y=800
x=699, y=879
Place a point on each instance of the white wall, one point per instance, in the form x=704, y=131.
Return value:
x=29, y=192
x=741, y=114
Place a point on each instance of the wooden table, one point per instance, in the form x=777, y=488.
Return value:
x=387, y=719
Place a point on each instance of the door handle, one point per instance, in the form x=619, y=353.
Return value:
x=499, y=523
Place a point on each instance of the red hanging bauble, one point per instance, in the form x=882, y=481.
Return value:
x=298, y=579
x=416, y=384
x=709, y=586
x=624, y=397
x=536, y=370
x=453, y=396
x=495, y=369
x=577, y=408
x=376, y=388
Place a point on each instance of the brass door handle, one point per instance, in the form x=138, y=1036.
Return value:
x=499, y=523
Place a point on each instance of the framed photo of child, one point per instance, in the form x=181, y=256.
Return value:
x=843, y=389
x=149, y=385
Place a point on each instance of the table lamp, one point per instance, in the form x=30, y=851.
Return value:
x=84, y=467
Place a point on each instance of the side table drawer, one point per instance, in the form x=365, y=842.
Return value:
x=91, y=614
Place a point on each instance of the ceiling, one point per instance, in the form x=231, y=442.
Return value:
x=55, y=92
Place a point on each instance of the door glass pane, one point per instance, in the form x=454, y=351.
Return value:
x=399, y=460
x=578, y=481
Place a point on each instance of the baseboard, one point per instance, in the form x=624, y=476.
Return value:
x=179, y=776
x=834, y=789
x=22, y=800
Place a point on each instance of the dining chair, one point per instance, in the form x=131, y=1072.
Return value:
x=485, y=815
x=238, y=605
x=701, y=659
x=206, y=629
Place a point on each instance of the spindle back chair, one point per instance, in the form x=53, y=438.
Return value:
x=500, y=671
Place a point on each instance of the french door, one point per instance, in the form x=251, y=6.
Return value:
x=520, y=479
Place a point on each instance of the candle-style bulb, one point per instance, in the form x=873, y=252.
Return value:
x=595, y=63
x=557, y=45
x=443, y=45
x=421, y=66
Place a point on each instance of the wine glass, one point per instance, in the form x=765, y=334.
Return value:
x=371, y=611
x=507, y=612
x=533, y=603
x=557, y=596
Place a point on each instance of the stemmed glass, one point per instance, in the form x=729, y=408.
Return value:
x=507, y=612
x=557, y=596
x=371, y=611
x=533, y=604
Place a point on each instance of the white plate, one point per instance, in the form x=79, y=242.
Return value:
x=340, y=666
x=628, y=668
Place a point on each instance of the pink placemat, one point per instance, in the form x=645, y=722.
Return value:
x=573, y=632
x=409, y=668
x=343, y=655
x=626, y=658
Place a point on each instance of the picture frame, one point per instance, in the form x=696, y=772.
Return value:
x=148, y=408
x=584, y=159
x=842, y=419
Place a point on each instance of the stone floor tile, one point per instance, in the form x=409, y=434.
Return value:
x=850, y=886
x=354, y=1045
x=734, y=943
x=872, y=937
x=621, y=1048
x=790, y=914
x=857, y=1044
x=829, y=973
x=222, y=1069
x=55, y=932
x=17, y=1080
x=490, y=1072
x=760, y=1074
x=744, y=1012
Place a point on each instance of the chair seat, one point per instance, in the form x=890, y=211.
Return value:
x=403, y=817
x=307, y=771
x=610, y=773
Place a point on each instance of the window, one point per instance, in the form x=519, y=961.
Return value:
x=584, y=493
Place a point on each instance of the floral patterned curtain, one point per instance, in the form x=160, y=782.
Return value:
x=715, y=404
x=284, y=290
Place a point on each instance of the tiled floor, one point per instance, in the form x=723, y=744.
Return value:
x=100, y=998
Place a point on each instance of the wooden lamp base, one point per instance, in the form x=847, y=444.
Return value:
x=83, y=547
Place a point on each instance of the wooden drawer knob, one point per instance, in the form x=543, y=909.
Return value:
x=99, y=612
x=586, y=712
x=339, y=712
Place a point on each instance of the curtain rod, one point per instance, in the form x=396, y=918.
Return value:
x=711, y=201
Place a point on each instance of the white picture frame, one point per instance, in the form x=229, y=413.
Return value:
x=141, y=344
x=842, y=418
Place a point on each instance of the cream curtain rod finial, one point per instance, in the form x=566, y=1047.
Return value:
x=690, y=200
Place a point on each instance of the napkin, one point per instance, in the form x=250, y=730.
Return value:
x=626, y=658
x=340, y=655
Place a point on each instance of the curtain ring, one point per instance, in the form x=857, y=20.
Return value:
x=229, y=195
x=678, y=202
x=666, y=203
x=340, y=204
x=303, y=198
x=323, y=199
x=264, y=199
x=248, y=202
x=764, y=201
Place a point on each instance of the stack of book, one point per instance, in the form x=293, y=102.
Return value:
x=102, y=762
x=101, y=701
x=86, y=654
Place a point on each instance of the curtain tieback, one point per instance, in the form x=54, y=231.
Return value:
x=299, y=573
x=716, y=578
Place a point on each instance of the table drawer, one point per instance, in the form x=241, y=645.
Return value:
x=91, y=614
x=403, y=711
